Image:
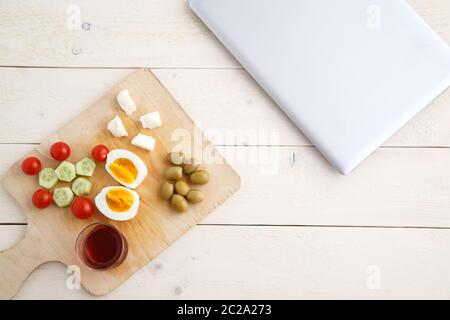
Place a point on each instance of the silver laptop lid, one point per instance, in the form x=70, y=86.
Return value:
x=349, y=73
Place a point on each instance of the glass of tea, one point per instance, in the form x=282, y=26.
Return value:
x=101, y=246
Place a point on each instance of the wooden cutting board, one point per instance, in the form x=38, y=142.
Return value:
x=52, y=232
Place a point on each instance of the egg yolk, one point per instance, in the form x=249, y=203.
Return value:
x=124, y=170
x=119, y=200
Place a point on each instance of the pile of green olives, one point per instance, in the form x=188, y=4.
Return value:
x=175, y=189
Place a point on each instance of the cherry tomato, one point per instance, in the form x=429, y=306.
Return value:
x=42, y=198
x=31, y=166
x=100, y=152
x=60, y=151
x=82, y=208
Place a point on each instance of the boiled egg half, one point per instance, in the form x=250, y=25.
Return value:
x=118, y=203
x=126, y=168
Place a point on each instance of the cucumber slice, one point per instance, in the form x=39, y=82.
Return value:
x=65, y=171
x=47, y=178
x=63, y=197
x=85, y=167
x=81, y=186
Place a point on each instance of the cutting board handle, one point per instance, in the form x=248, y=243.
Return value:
x=17, y=263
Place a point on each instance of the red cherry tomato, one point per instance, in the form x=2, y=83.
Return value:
x=99, y=153
x=60, y=151
x=82, y=208
x=42, y=198
x=31, y=166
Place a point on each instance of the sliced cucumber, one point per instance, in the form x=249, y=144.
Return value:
x=65, y=171
x=47, y=178
x=81, y=186
x=85, y=167
x=63, y=197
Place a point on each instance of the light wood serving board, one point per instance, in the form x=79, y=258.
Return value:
x=52, y=232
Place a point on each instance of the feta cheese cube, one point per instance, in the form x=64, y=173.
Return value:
x=126, y=102
x=143, y=141
x=116, y=127
x=151, y=120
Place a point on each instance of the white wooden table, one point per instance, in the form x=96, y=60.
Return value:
x=296, y=229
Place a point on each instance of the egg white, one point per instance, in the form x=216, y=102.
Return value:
x=138, y=163
x=102, y=205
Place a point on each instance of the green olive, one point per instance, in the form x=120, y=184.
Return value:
x=195, y=196
x=167, y=190
x=176, y=158
x=190, y=166
x=174, y=173
x=179, y=203
x=200, y=177
x=181, y=188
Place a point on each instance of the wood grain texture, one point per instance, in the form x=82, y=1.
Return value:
x=253, y=263
x=18, y=262
x=155, y=227
x=400, y=187
x=33, y=100
x=135, y=33
x=322, y=262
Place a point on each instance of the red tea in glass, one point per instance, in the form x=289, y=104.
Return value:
x=101, y=246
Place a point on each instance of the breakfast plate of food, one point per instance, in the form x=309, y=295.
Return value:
x=114, y=187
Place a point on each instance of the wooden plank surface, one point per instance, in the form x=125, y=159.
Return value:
x=36, y=101
x=52, y=232
x=324, y=262
x=135, y=33
x=395, y=187
x=320, y=263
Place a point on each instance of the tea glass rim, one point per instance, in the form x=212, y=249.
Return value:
x=123, y=253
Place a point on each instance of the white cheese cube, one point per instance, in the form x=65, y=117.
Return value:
x=126, y=102
x=143, y=141
x=116, y=127
x=151, y=120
